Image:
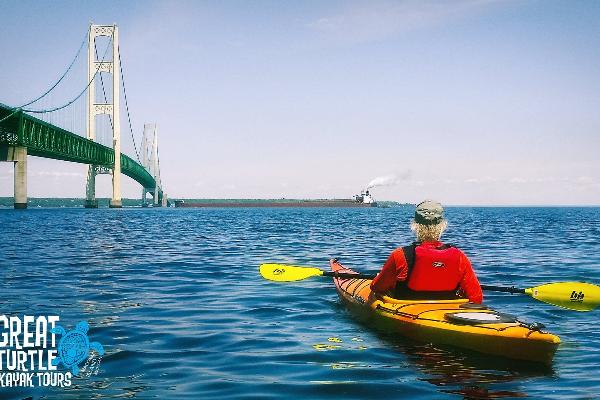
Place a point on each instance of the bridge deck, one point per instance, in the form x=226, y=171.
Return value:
x=46, y=140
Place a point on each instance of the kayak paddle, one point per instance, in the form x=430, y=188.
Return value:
x=292, y=273
x=578, y=296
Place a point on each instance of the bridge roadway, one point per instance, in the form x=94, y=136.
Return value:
x=42, y=139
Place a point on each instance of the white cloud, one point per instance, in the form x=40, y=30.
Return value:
x=517, y=180
x=376, y=20
x=585, y=180
x=546, y=179
x=58, y=174
x=485, y=179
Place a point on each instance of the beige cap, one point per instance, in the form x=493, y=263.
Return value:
x=429, y=212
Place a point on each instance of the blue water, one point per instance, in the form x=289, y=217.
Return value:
x=174, y=297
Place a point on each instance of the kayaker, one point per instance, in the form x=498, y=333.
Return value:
x=428, y=269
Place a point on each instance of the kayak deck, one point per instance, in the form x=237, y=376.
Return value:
x=449, y=322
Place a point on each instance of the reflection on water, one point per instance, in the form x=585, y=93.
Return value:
x=473, y=376
x=450, y=370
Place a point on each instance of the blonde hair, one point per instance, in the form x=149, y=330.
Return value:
x=428, y=233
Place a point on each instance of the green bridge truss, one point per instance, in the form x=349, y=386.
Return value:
x=46, y=140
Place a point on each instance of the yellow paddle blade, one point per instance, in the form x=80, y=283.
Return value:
x=287, y=273
x=577, y=296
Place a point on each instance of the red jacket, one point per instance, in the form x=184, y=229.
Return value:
x=433, y=270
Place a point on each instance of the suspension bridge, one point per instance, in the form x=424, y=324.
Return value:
x=58, y=132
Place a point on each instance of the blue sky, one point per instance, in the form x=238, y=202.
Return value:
x=468, y=102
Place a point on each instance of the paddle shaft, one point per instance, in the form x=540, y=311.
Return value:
x=504, y=289
x=345, y=275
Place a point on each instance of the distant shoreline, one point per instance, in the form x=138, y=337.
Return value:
x=76, y=202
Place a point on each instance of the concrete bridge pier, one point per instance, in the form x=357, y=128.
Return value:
x=20, y=177
x=18, y=155
x=90, y=188
x=145, y=192
x=90, y=203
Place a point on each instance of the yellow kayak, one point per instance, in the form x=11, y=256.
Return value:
x=448, y=322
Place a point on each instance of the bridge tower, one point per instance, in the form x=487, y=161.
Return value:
x=150, y=162
x=95, y=67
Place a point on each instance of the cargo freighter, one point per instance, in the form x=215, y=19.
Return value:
x=364, y=199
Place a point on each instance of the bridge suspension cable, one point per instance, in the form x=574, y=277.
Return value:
x=14, y=111
x=137, y=154
x=127, y=107
x=79, y=95
x=46, y=93
x=60, y=79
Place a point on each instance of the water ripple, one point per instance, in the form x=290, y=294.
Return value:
x=175, y=298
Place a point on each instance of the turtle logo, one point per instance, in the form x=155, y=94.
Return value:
x=74, y=346
x=278, y=271
x=438, y=264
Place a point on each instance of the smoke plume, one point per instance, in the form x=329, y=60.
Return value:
x=389, y=180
